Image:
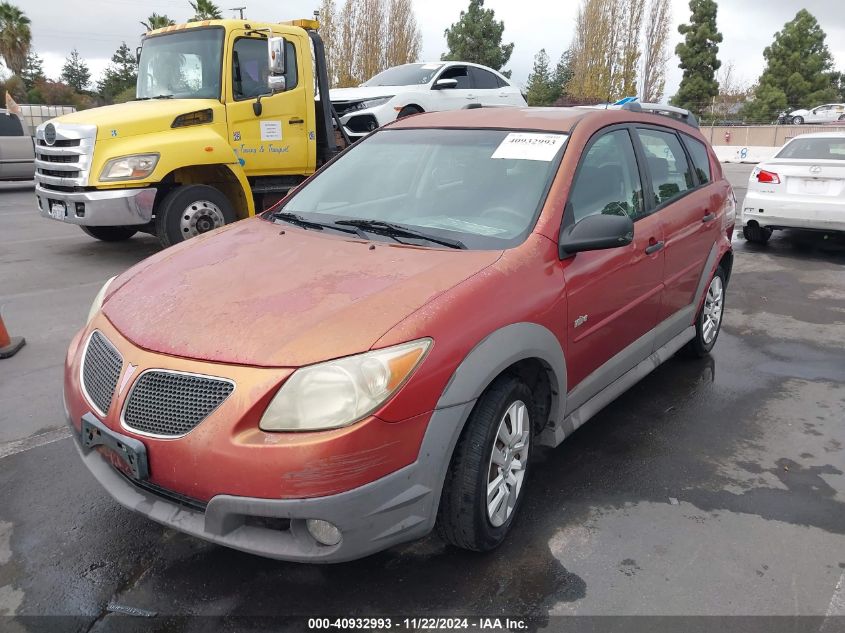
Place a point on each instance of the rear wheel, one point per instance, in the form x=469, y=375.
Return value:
x=756, y=234
x=799, y=120
x=110, y=233
x=189, y=211
x=709, y=321
x=486, y=480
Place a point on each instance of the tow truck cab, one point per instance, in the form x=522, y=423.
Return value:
x=226, y=118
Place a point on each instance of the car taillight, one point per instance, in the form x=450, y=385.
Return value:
x=768, y=176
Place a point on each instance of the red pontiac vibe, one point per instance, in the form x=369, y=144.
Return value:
x=378, y=355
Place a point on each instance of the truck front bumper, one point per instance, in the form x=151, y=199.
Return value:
x=111, y=207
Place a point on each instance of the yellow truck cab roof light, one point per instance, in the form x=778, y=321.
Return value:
x=308, y=25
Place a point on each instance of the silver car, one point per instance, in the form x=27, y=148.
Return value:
x=17, y=149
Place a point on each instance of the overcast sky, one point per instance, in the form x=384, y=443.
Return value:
x=96, y=27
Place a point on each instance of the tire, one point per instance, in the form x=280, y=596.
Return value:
x=841, y=117
x=110, y=233
x=756, y=234
x=408, y=111
x=799, y=120
x=708, y=324
x=191, y=210
x=463, y=518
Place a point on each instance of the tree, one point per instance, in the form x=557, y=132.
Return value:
x=370, y=38
x=345, y=46
x=477, y=37
x=121, y=74
x=798, y=71
x=698, y=54
x=32, y=71
x=75, y=72
x=156, y=21
x=562, y=75
x=538, y=90
x=205, y=10
x=629, y=27
x=403, y=35
x=327, y=15
x=655, y=53
x=15, y=37
x=733, y=94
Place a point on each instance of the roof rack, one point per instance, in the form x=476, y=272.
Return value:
x=658, y=108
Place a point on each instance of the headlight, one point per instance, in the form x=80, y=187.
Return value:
x=130, y=167
x=372, y=103
x=340, y=392
x=98, y=300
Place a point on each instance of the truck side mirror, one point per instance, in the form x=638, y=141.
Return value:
x=276, y=55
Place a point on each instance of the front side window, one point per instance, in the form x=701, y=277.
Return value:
x=444, y=182
x=460, y=73
x=250, y=68
x=184, y=65
x=670, y=172
x=608, y=181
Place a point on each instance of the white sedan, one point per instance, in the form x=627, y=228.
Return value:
x=828, y=113
x=803, y=187
x=426, y=87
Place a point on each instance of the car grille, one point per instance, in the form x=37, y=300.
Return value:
x=100, y=371
x=169, y=404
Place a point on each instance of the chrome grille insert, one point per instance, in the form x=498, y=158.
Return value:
x=100, y=371
x=170, y=404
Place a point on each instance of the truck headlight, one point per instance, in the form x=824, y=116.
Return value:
x=339, y=392
x=98, y=300
x=130, y=167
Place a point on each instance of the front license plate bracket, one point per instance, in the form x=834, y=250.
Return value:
x=131, y=452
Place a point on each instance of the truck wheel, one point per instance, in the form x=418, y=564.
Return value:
x=189, y=211
x=485, y=483
x=709, y=321
x=110, y=233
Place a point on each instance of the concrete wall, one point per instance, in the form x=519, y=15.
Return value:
x=762, y=135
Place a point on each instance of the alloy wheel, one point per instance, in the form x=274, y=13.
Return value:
x=508, y=461
x=712, y=310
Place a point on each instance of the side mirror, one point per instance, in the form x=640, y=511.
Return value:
x=445, y=84
x=276, y=55
x=596, y=232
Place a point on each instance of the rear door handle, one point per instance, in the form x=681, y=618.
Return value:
x=653, y=248
x=708, y=216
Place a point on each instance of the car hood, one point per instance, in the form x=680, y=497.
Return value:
x=799, y=113
x=139, y=117
x=254, y=296
x=366, y=92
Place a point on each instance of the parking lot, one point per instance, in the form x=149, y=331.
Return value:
x=713, y=487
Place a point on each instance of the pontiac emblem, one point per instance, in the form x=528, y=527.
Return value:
x=130, y=371
x=50, y=134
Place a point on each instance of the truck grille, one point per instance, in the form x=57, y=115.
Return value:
x=58, y=174
x=73, y=142
x=66, y=163
x=100, y=371
x=170, y=404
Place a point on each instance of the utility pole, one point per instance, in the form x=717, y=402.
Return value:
x=239, y=10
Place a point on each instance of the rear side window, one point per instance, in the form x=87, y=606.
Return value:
x=10, y=125
x=700, y=159
x=483, y=79
x=608, y=180
x=502, y=83
x=670, y=172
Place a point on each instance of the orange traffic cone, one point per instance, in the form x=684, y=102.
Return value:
x=9, y=346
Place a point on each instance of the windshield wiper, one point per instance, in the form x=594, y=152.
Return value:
x=298, y=220
x=397, y=230
x=156, y=97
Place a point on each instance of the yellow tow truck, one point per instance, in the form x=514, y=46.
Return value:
x=227, y=119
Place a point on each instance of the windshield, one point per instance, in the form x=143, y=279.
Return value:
x=407, y=75
x=184, y=65
x=814, y=149
x=483, y=188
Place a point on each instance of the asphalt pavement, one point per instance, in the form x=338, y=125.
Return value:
x=713, y=487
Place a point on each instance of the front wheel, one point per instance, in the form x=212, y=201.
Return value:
x=486, y=480
x=189, y=211
x=709, y=321
x=799, y=120
x=110, y=233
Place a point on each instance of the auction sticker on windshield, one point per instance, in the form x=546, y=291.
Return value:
x=530, y=146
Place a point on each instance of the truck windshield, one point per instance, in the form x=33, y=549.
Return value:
x=184, y=64
x=481, y=187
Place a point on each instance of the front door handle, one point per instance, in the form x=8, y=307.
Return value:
x=708, y=216
x=653, y=248
x=296, y=121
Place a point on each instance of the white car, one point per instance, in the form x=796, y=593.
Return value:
x=828, y=113
x=426, y=87
x=803, y=187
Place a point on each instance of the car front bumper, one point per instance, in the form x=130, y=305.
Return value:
x=358, y=123
x=110, y=207
x=799, y=212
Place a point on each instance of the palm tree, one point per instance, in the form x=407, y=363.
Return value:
x=205, y=10
x=15, y=37
x=156, y=21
